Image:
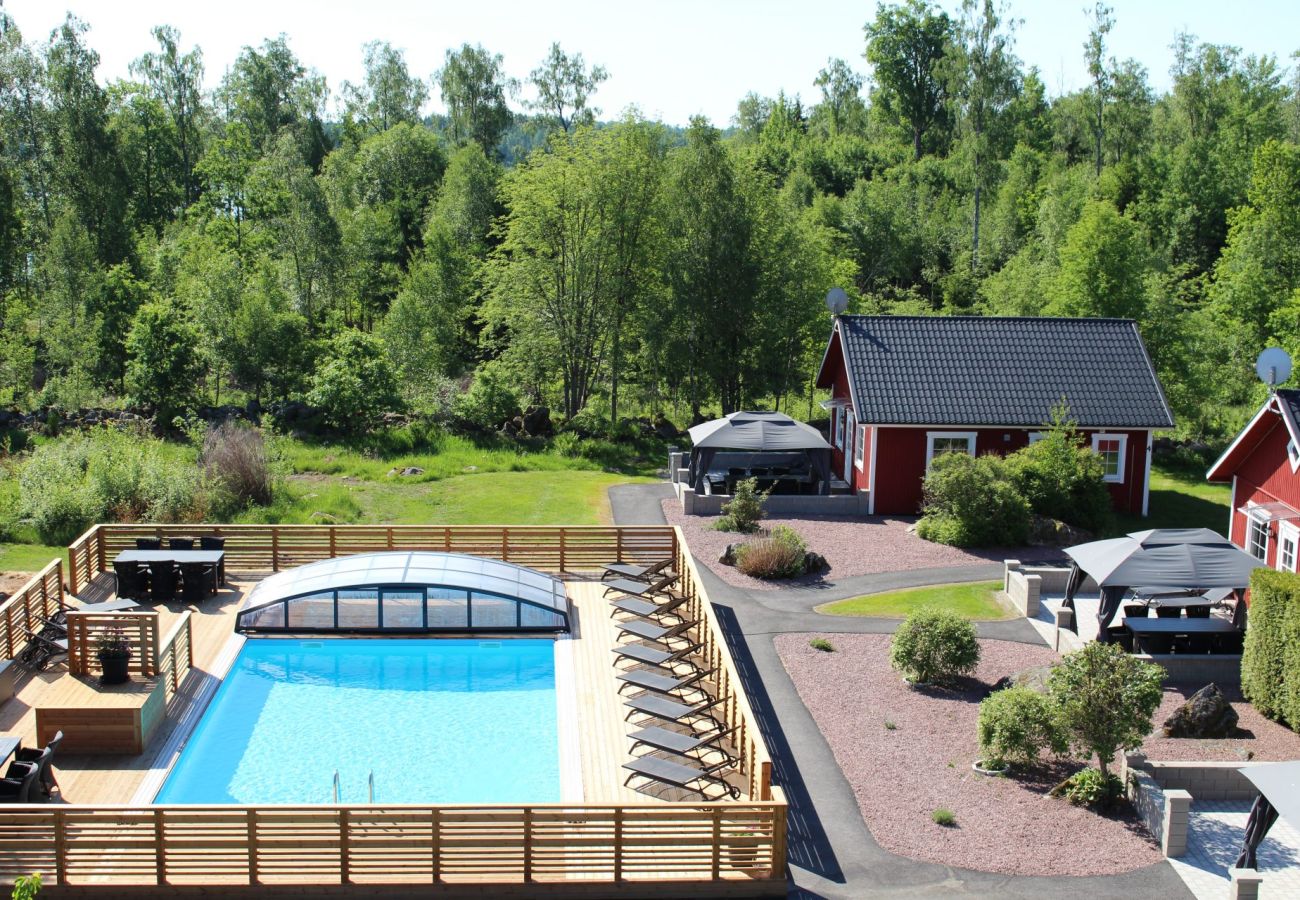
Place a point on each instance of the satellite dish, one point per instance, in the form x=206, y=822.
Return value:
x=1273, y=366
x=837, y=301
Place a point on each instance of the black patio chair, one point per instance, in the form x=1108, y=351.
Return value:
x=180, y=543
x=690, y=778
x=16, y=786
x=43, y=757
x=132, y=580
x=211, y=542
x=1198, y=612
x=148, y=543
x=1155, y=644
x=197, y=582
x=1169, y=612
x=162, y=578
x=1134, y=611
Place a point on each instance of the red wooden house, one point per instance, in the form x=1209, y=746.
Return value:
x=906, y=388
x=1262, y=466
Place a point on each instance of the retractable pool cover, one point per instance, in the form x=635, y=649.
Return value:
x=406, y=591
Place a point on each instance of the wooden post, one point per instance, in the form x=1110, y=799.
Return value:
x=333, y=550
x=253, y=877
x=618, y=844
x=390, y=539
x=159, y=847
x=505, y=544
x=778, y=841
x=345, y=873
x=100, y=553
x=72, y=572
x=563, y=567
x=61, y=847
x=528, y=845
x=435, y=841
x=717, y=842
x=275, y=549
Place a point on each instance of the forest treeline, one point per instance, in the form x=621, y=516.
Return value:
x=169, y=247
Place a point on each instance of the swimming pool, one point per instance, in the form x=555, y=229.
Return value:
x=436, y=721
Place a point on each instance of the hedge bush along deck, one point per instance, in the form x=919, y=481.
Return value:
x=1270, y=664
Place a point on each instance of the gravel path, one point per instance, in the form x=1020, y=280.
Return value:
x=865, y=546
x=1260, y=738
x=900, y=775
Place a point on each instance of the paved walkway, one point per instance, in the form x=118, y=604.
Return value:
x=832, y=853
x=1215, y=833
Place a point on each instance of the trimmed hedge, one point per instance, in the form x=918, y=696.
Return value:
x=1270, y=663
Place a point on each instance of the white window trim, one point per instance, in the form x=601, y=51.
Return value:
x=839, y=428
x=858, y=448
x=1293, y=455
x=1251, y=521
x=1288, y=531
x=1035, y=437
x=930, y=437
x=1118, y=478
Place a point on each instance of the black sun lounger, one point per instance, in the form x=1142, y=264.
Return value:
x=648, y=609
x=656, y=656
x=41, y=650
x=663, y=684
x=672, y=710
x=633, y=571
x=640, y=588
x=690, y=778
x=661, y=633
x=689, y=745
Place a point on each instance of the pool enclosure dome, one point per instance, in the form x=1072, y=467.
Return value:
x=406, y=591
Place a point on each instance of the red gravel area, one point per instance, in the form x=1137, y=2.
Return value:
x=852, y=546
x=900, y=776
x=1258, y=738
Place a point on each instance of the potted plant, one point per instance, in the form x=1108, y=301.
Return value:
x=114, y=655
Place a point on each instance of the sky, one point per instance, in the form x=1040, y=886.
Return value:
x=672, y=59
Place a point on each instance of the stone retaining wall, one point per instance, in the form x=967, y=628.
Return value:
x=1166, y=812
x=1203, y=780
x=1198, y=668
x=694, y=504
x=1023, y=590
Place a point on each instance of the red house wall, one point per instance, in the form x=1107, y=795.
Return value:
x=1265, y=476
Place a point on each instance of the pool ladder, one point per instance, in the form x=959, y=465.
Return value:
x=371, y=781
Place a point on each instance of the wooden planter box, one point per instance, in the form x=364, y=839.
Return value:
x=103, y=719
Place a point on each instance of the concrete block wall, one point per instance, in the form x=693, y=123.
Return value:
x=1244, y=884
x=1166, y=813
x=856, y=504
x=1205, y=780
x=1199, y=668
x=1023, y=590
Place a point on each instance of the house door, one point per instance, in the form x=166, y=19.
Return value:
x=850, y=435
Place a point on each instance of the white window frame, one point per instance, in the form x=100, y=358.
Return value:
x=850, y=432
x=1293, y=455
x=1253, y=522
x=839, y=428
x=1035, y=437
x=859, y=447
x=1118, y=477
x=931, y=436
x=1287, y=534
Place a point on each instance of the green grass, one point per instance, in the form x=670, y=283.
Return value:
x=1181, y=499
x=974, y=600
x=27, y=557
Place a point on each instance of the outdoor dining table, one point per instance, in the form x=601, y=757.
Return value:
x=1211, y=625
x=8, y=745
x=215, y=558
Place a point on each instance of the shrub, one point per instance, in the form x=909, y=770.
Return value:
x=164, y=359
x=234, y=456
x=745, y=508
x=356, y=384
x=934, y=645
x=1090, y=787
x=1062, y=479
x=490, y=402
x=1104, y=700
x=972, y=502
x=822, y=644
x=1265, y=678
x=1015, y=725
x=26, y=887
x=944, y=817
x=779, y=555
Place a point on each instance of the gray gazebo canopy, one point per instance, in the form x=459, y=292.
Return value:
x=1181, y=557
x=1279, y=794
x=758, y=432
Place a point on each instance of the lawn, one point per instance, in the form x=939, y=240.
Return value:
x=27, y=557
x=1181, y=500
x=974, y=600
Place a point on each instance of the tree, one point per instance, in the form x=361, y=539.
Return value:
x=906, y=45
x=564, y=85
x=1094, y=53
x=267, y=338
x=841, y=94
x=1103, y=266
x=176, y=81
x=355, y=386
x=1105, y=699
x=467, y=199
x=268, y=89
x=389, y=95
x=474, y=87
x=163, y=360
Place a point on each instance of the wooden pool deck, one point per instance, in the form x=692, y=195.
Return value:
x=601, y=741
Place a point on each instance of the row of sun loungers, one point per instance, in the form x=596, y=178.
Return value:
x=671, y=688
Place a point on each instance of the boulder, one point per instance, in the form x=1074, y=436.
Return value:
x=728, y=557
x=537, y=421
x=1046, y=532
x=664, y=430
x=814, y=563
x=1206, y=714
x=411, y=470
x=1035, y=678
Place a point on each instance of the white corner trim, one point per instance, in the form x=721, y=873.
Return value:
x=1146, y=475
x=1117, y=478
x=930, y=437
x=871, y=475
x=1232, y=507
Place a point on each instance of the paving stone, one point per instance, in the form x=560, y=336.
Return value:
x=1216, y=830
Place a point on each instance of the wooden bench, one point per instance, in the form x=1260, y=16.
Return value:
x=102, y=719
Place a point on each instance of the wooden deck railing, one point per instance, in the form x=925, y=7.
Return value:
x=175, y=654
x=269, y=548
x=110, y=847
x=38, y=599
x=139, y=629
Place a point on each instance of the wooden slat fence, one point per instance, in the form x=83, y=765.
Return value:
x=113, y=846
x=38, y=599
x=261, y=548
x=140, y=629
x=175, y=654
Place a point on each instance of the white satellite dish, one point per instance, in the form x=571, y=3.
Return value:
x=1273, y=366
x=837, y=301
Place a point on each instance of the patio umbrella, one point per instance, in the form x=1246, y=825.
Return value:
x=1279, y=794
x=1164, y=537
x=758, y=432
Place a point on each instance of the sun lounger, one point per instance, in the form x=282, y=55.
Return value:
x=656, y=656
x=663, y=684
x=689, y=745
x=640, y=588
x=41, y=650
x=662, y=633
x=633, y=571
x=690, y=778
x=648, y=609
x=670, y=710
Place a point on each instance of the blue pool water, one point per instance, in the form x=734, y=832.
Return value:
x=437, y=721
